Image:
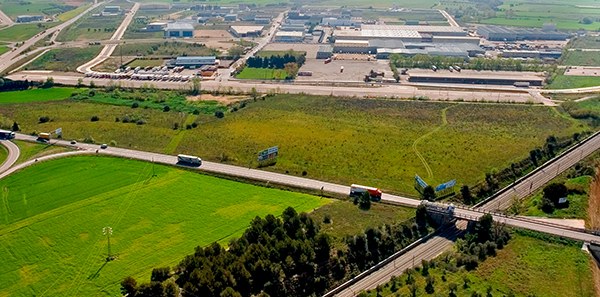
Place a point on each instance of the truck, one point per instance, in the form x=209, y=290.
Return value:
x=5, y=134
x=328, y=60
x=191, y=160
x=44, y=137
x=358, y=190
x=434, y=68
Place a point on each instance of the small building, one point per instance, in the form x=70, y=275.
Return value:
x=195, y=62
x=112, y=9
x=30, y=18
x=411, y=22
x=325, y=51
x=179, y=30
x=156, y=26
x=291, y=36
x=231, y=17
x=262, y=21
x=246, y=31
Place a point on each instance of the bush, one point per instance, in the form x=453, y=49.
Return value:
x=188, y=126
x=166, y=108
x=135, y=105
x=140, y=122
x=44, y=120
x=175, y=126
x=92, y=93
x=546, y=205
x=160, y=274
x=95, y=119
x=219, y=114
x=196, y=112
x=555, y=191
x=112, y=143
x=126, y=120
x=327, y=219
x=89, y=140
x=194, y=125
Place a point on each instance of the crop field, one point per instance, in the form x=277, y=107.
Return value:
x=329, y=138
x=145, y=63
x=65, y=59
x=22, y=32
x=162, y=49
x=158, y=214
x=91, y=28
x=65, y=16
x=580, y=58
x=35, y=95
x=262, y=73
x=527, y=266
x=571, y=81
x=585, y=42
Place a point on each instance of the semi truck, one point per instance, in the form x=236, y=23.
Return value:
x=5, y=134
x=358, y=190
x=192, y=160
x=44, y=137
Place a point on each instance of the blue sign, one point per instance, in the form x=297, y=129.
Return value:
x=421, y=182
x=445, y=186
x=268, y=154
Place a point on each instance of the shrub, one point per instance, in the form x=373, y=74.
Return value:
x=135, y=105
x=95, y=119
x=166, y=108
x=92, y=93
x=196, y=111
x=219, y=114
x=188, y=126
x=89, y=140
x=44, y=120
x=327, y=219
x=160, y=274
x=304, y=173
x=126, y=120
x=194, y=125
x=112, y=143
x=140, y=122
x=175, y=126
x=546, y=205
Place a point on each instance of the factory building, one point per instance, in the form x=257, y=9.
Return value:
x=230, y=17
x=30, y=18
x=246, y=31
x=325, y=51
x=500, y=33
x=291, y=36
x=195, y=62
x=156, y=26
x=531, y=54
x=335, y=22
x=179, y=30
x=483, y=77
x=112, y=9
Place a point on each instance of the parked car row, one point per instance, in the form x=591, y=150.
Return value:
x=139, y=76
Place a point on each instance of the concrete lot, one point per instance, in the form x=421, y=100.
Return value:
x=353, y=70
x=525, y=75
x=583, y=71
x=310, y=49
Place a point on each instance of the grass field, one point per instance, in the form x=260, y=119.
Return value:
x=65, y=16
x=578, y=203
x=35, y=95
x=30, y=150
x=22, y=32
x=3, y=154
x=580, y=58
x=3, y=49
x=65, y=59
x=91, y=28
x=277, y=53
x=571, y=81
x=55, y=247
x=146, y=62
x=340, y=140
x=162, y=49
x=262, y=73
x=585, y=42
x=526, y=267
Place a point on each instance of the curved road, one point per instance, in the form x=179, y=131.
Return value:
x=13, y=155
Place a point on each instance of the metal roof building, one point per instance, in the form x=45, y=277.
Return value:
x=179, y=30
x=500, y=33
x=195, y=62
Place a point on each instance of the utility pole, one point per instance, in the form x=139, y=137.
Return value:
x=108, y=232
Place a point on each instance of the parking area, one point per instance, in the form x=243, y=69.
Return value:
x=310, y=49
x=583, y=71
x=354, y=70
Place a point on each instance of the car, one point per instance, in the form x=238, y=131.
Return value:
x=73, y=142
x=103, y=146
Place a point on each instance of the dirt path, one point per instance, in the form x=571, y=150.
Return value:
x=416, y=150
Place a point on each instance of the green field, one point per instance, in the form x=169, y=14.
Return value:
x=22, y=32
x=580, y=58
x=30, y=150
x=571, y=82
x=525, y=267
x=341, y=140
x=578, y=203
x=585, y=42
x=65, y=16
x=51, y=225
x=3, y=154
x=277, y=53
x=65, y=59
x=91, y=28
x=146, y=62
x=35, y=95
x=262, y=73
x=3, y=49
x=163, y=49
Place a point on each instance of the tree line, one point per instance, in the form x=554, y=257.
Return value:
x=287, y=256
x=277, y=61
x=14, y=85
x=428, y=61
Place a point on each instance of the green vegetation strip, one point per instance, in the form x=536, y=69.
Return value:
x=262, y=73
x=55, y=211
x=35, y=95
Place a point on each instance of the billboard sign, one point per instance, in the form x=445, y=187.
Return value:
x=268, y=154
x=447, y=185
x=420, y=181
x=58, y=131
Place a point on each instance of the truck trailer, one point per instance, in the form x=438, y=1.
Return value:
x=44, y=137
x=5, y=134
x=358, y=190
x=192, y=160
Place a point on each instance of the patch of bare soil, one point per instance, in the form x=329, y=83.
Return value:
x=225, y=100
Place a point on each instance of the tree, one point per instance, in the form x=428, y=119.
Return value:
x=452, y=288
x=151, y=289
x=428, y=194
x=129, y=286
x=160, y=274
x=483, y=228
x=92, y=85
x=219, y=114
x=79, y=83
x=236, y=52
x=230, y=292
x=49, y=83
x=466, y=195
x=254, y=93
x=555, y=191
x=421, y=215
x=546, y=205
x=15, y=127
x=166, y=108
x=95, y=119
x=195, y=86
x=363, y=201
x=413, y=289
x=430, y=281
x=291, y=69
x=171, y=289
x=587, y=21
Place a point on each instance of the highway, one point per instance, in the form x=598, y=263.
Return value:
x=6, y=59
x=110, y=48
x=13, y=155
x=5, y=20
x=450, y=19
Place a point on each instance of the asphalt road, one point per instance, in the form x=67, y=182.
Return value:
x=110, y=48
x=6, y=58
x=13, y=155
x=450, y=19
x=5, y=20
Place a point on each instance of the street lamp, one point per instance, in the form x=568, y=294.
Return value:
x=108, y=232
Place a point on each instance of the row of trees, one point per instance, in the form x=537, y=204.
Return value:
x=12, y=85
x=277, y=61
x=427, y=61
x=286, y=256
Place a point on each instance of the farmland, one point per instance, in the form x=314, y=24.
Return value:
x=22, y=31
x=562, y=81
x=262, y=73
x=580, y=58
x=530, y=265
x=35, y=95
x=65, y=16
x=91, y=28
x=163, y=49
x=335, y=139
x=3, y=154
x=66, y=59
x=31, y=150
x=89, y=193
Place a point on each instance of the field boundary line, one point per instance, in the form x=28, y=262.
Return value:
x=416, y=150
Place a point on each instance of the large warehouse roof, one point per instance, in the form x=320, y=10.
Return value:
x=180, y=26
